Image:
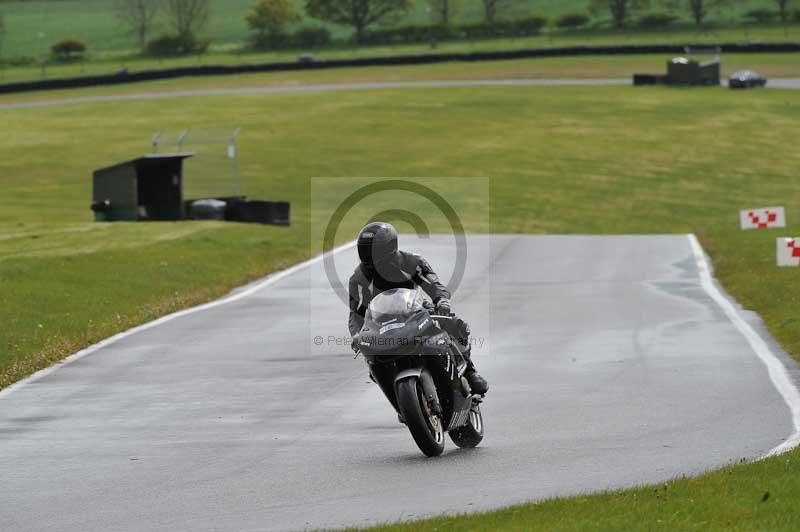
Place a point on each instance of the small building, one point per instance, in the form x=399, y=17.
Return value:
x=683, y=71
x=147, y=188
x=150, y=188
x=686, y=72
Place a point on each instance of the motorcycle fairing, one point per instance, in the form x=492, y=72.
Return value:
x=398, y=330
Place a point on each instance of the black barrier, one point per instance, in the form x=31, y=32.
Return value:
x=243, y=209
x=260, y=212
x=221, y=70
x=649, y=79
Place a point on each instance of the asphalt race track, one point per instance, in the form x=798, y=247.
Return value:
x=785, y=83
x=609, y=365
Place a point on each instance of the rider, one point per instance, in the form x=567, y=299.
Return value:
x=382, y=268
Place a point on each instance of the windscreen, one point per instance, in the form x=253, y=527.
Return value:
x=396, y=303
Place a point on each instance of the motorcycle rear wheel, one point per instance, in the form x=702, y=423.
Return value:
x=471, y=434
x=425, y=427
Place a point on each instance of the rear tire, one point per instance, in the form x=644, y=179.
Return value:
x=425, y=427
x=471, y=434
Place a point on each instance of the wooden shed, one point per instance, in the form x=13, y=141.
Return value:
x=146, y=188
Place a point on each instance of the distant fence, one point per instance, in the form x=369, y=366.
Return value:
x=422, y=59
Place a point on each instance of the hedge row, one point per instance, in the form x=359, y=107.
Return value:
x=303, y=38
x=526, y=27
x=167, y=45
x=419, y=34
x=319, y=37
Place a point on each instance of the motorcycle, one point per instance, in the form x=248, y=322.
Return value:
x=420, y=369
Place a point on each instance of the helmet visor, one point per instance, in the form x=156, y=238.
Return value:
x=372, y=253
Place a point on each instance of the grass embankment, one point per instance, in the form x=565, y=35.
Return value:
x=564, y=160
x=69, y=286
x=760, y=496
x=104, y=64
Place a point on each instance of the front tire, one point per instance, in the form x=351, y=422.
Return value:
x=471, y=434
x=424, y=425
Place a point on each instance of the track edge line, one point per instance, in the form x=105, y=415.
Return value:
x=775, y=368
x=230, y=298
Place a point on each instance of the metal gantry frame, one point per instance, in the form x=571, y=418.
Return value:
x=205, y=137
x=714, y=51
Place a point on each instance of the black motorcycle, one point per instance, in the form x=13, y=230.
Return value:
x=420, y=368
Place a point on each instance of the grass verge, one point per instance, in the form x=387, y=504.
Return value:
x=760, y=496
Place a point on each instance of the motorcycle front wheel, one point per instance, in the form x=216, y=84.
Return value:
x=425, y=426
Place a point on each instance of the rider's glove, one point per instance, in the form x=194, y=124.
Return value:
x=354, y=344
x=443, y=307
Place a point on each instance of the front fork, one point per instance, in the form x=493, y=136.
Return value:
x=429, y=389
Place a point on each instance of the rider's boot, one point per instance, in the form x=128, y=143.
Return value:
x=477, y=384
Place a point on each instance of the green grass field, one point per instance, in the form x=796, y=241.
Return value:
x=108, y=64
x=95, y=22
x=32, y=26
x=561, y=160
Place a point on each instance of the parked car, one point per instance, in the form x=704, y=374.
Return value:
x=746, y=79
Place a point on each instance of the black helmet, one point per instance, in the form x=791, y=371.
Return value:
x=377, y=243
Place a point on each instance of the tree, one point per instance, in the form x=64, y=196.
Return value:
x=699, y=9
x=139, y=16
x=620, y=10
x=187, y=17
x=491, y=7
x=359, y=14
x=443, y=10
x=783, y=9
x=270, y=17
x=68, y=49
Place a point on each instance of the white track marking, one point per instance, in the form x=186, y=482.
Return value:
x=786, y=83
x=777, y=371
x=259, y=285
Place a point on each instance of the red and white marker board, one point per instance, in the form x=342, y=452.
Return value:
x=763, y=218
x=789, y=252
